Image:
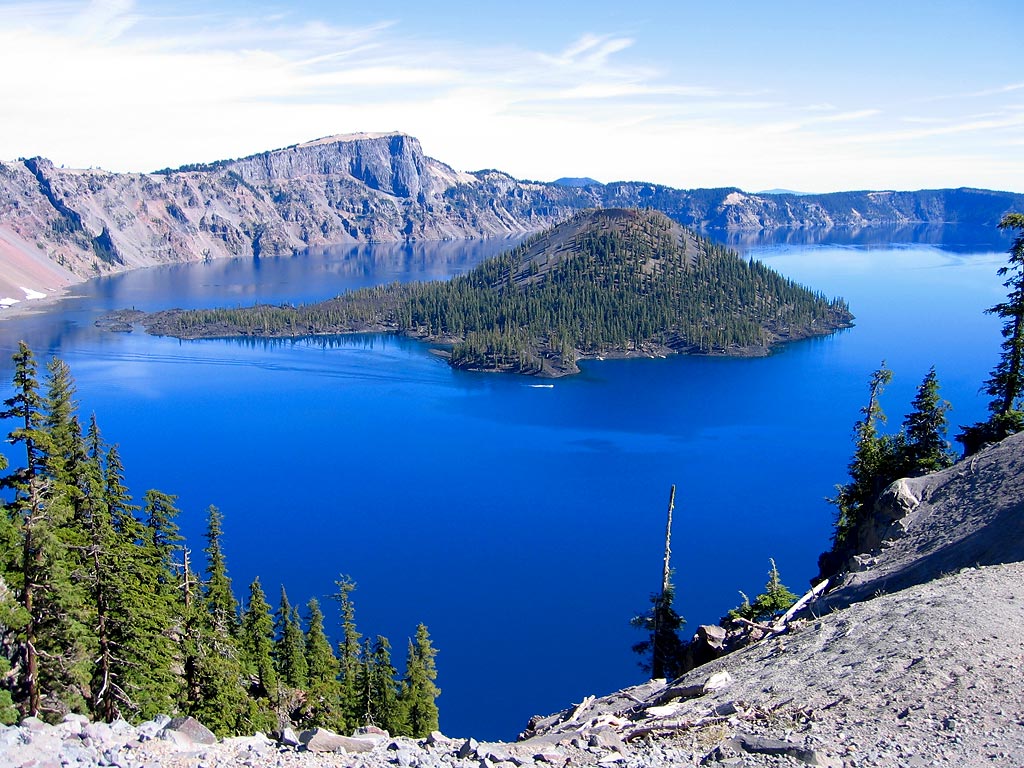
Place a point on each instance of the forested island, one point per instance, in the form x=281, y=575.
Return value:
x=605, y=283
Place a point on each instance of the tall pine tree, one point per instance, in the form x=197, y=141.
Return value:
x=290, y=648
x=926, y=449
x=419, y=693
x=323, y=703
x=1006, y=383
x=348, y=651
x=221, y=702
x=257, y=644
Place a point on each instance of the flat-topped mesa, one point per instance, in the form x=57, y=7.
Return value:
x=392, y=163
x=343, y=137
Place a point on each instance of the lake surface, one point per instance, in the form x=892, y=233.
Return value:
x=523, y=524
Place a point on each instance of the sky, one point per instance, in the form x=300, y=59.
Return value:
x=809, y=96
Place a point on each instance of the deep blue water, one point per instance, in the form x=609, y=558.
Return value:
x=522, y=524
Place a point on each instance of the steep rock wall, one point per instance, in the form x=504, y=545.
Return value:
x=59, y=226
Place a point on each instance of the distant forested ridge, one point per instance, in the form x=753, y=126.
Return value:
x=604, y=283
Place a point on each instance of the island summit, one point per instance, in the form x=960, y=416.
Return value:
x=604, y=283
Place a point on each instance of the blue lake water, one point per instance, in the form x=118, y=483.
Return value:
x=522, y=524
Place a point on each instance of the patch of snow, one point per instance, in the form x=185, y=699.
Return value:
x=30, y=294
x=7, y=301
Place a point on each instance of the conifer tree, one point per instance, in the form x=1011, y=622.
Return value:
x=663, y=645
x=162, y=537
x=103, y=564
x=220, y=601
x=419, y=693
x=257, y=641
x=36, y=568
x=290, y=649
x=776, y=597
x=384, y=708
x=68, y=619
x=876, y=461
x=25, y=407
x=324, y=700
x=348, y=650
x=926, y=448
x=117, y=498
x=221, y=703
x=1006, y=383
x=149, y=595
x=65, y=449
x=364, y=686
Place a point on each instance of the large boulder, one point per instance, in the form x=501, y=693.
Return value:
x=187, y=728
x=323, y=740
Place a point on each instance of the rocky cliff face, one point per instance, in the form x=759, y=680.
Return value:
x=59, y=226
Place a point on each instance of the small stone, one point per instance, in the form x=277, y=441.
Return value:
x=288, y=738
x=35, y=724
x=180, y=740
x=762, y=745
x=404, y=757
x=436, y=738
x=468, y=749
x=371, y=730
x=717, y=682
x=726, y=708
x=712, y=634
x=551, y=757
x=151, y=728
x=666, y=710
x=606, y=738
x=493, y=753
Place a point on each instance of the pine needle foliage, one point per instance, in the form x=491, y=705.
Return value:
x=1005, y=384
x=102, y=614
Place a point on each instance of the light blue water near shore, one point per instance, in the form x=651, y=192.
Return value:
x=523, y=524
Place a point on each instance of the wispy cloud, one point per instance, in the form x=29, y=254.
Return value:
x=591, y=51
x=127, y=87
x=997, y=90
x=946, y=129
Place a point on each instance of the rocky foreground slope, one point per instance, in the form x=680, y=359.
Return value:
x=59, y=226
x=916, y=660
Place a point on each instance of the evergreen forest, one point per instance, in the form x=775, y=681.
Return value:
x=103, y=611
x=606, y=282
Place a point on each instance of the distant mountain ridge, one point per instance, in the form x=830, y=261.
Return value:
x=60, y=226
